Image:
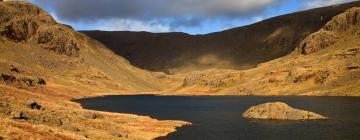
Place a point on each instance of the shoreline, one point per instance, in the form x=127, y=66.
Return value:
x=59, y=116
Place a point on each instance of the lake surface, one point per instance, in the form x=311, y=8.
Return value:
x=219, y=117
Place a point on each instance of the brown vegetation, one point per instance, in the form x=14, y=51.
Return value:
x=44, y=65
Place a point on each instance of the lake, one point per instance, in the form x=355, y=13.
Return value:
x=219, y=117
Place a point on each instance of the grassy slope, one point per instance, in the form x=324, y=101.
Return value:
x=33, y=46
x=95, y=64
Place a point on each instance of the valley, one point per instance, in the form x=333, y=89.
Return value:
x=44, y=65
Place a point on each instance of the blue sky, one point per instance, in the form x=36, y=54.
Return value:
x=189, y=16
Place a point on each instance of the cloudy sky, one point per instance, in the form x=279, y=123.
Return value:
x=190, y=16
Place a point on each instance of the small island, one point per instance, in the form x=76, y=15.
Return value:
x=280, y=111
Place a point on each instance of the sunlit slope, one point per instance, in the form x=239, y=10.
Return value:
x=325, y=63
x=38, y=46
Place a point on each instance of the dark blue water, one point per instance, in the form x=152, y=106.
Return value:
x=219, y=118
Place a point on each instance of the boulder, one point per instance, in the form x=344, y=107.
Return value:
x=7, y=78
x=41, y=81
x=18, y=115
x=34, y=105
x=280, y=111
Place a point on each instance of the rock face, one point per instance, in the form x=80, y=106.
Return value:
x=37, y=26
x=280, y=111
x=347, y=21
x=327, y=36
x=318, y=41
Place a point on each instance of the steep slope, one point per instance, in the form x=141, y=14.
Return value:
x=44, y=64
x=326, y=63
x=32, y=40
x=239, y=48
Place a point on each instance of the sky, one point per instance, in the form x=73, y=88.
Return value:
x=189, y=16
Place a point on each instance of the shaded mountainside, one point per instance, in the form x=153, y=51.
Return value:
x=238, y=48
x=44, y=64
x=325, y=63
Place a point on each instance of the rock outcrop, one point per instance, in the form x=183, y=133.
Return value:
x=37, y=26
x=280, y=111
x=348, y=21
x=317, y=42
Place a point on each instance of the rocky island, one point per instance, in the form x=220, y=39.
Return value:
x=280, y=111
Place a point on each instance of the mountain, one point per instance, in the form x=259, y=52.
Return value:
x=33, y=42
x=239, y=48
x=325, y=63
x=44, y=64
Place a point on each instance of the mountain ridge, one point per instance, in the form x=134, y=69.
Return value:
x=239, y=48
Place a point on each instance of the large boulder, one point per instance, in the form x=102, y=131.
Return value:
x=280, y=111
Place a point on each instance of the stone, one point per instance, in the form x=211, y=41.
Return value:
x=280, y=111
x=41, y=81
x=7, y=78
x=18, y=115
x=28, y=81
x=93, y=115
x=34, y=105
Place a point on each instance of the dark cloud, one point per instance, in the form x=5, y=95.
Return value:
x=174, y=12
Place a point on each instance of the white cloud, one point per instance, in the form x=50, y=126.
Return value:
x=321, y=3
x=129, y=25
x=152, y=15
x=115, y=25
x=259, y=18
x=155, y=9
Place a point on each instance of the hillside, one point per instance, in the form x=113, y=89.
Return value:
x=57, y=53
x=239, y=48
x=44, y=64
x=325, y=63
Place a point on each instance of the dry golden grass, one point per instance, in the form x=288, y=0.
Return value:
x=33, y=47
x=82, y=67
